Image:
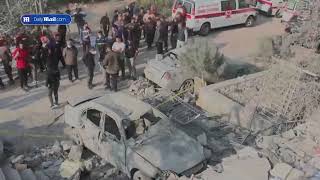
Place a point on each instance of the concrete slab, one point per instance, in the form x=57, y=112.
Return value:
x=10, y=173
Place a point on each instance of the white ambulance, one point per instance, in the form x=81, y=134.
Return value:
x=203, y=15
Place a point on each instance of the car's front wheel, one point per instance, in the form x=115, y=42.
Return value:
x=138, y=175
x=250, y=21
x=187, y=86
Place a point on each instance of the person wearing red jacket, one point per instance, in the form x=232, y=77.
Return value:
x=20, y=54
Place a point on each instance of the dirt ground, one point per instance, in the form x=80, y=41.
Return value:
x=24, y=117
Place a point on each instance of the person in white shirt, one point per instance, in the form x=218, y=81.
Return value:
x=119, y=47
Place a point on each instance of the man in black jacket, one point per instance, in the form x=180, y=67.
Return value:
x=105, y=24
x=88, y=60
x=53, y=83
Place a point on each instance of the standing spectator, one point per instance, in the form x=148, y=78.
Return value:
x=88, y=60
x=79, y=20
x=111, y=65
x=1, y=84
x=101, y=42
x=149, y=31
x=118, y=47
x=6, y=59
x=70, y=54
x=115, y=17
x=105, y=24
x=158, y=39
x=131, y=53
x=59, y=46
x=86, y=37
x=62, y=30
x=68, y=11
x=182, y=35
x=174, y=33
x=20, y=54
x=164, y=33
x=53, y=83
x=44, y=53
x=35, y=62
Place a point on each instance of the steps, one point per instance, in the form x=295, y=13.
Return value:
x=9, y=173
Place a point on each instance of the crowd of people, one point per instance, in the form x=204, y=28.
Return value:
x=116, y=45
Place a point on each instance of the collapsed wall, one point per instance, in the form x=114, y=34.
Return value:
x=284, y=95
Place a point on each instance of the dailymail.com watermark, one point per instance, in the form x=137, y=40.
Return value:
x=46, y=19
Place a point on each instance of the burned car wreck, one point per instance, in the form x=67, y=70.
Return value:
x=134, y=137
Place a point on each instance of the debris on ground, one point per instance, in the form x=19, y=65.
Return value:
x=142, y=88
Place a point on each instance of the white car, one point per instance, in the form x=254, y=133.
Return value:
x=134, y=137
x=167, y=72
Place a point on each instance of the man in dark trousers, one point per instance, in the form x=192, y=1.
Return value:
x=70, y=54
x=88, y=60
x=6, y=60
x=174, y=33
x=149, y=32
x=79, y=20
x=164, y=31
x=53, y=83
x=62, y=30
x=59, y=46
x=111, y=64
x=105, y=24
x=101, y=42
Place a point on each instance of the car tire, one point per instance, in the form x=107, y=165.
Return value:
x=250, y=21
x=140, y=176
x=205, y=29
x=187, y=84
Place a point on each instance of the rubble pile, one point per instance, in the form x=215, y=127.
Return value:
x=142, y=88
x=63, y=160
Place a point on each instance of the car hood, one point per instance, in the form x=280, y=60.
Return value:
x=164, y=65
x=168, y=148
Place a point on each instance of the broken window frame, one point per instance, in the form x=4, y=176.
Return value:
x=117, y=139
x=89, y=120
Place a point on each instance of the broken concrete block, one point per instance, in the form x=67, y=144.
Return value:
x=281, y=170
x=56, y=148
x=315, y=162
x=202, y=139
x=41, y=176
x=88, y=164
x=20, y=167
x=295, y=174
x=18, y=159
x=66, y=145
x=75, y=152
x=247, y=152
x=46, y=164
x=10, y=173
x=68, y=168
x=27, y=174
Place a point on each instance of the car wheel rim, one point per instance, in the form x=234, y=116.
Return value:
x=249, y=22
x=187, y=86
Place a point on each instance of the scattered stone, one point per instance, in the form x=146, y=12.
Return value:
x=68, y=168
x=27, y=174
x=41, y=176
x=46, y=164
x=295, y=174
x=281, y=170
x=66, y=145
x=202, y=139
x=10, y=173
x=20, y=167
x=56, y=148
x=247, y=152
x=75, y=153
x=2, y=177
x=315, y=162
x=88, y=164
x=18, y=159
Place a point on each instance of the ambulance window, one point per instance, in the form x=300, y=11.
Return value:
x=228, y=5
x=243, y=4
x=188, y=7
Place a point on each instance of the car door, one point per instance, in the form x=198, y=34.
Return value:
x=111, y=143
x=91, y=128
x=242, y=12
